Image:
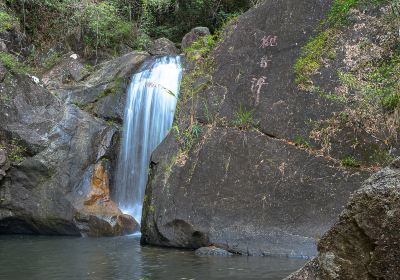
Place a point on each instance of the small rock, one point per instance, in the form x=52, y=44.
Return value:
x=4, y=165
x=35, y=79
x=163, y=46
x=194, y=35
x=3, y=72
x=3, y=157
x=212, y=251
x=74, y=56
x=3, y=46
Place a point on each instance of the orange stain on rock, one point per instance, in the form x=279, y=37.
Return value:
x=98, y=200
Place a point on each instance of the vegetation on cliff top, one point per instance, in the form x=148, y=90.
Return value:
x=91, y=26
x=358, y=42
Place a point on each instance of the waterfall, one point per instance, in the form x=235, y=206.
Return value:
x=149, y=113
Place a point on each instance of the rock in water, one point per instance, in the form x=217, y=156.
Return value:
x=364, y=243
x=212, y=251
x=194, y=35
x=98, y=214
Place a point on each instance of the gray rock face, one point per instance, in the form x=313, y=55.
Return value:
x=3, y=72
x=3, y=46
x=68, y=70
x=194, y=35
x=60, y=180
x=4, y=164
x=249, y=189
x=245, y=192
x=163, y=46
x=103, y=92
x=212, y=251
x=364, y=243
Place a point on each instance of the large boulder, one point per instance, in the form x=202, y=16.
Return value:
x=364, y=243
x=62, y=154
x=163, y=46
x=194, y=35
x=245, y=192
x=234, y=173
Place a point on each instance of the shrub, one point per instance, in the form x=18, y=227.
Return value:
x=7, y=21
x=103, y=27
x=350, y=161
x=244, y=118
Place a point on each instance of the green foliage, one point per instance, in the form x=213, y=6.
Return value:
x=312, y=56
x=52, y=60
x=244, y=119
x=114, y=87
x=381, y=85
x=17, y=151
x=302, y=142
x=12, y=63
x=187, y=137
x=350, y=161
x=322, y=46
x=7, y=21
x=384, y=82
x=103, y=27
x=173, y=18
x=340, y=10
x=99, y=23
x=202, y=47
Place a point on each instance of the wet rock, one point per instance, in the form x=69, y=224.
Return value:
x=194, y=35
x=98, y=214
x=212, y=251
x=163, y=46
x=363, y=244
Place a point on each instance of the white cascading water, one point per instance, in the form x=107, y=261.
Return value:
x=149, y=113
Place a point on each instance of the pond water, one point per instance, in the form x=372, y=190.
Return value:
x=122, y=258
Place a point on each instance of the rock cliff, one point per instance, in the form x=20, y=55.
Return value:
x=60, y=135
x=233, y=172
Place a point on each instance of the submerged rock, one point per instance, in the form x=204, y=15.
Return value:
x=194, y=35
x=212, y=251
x=364, y=243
